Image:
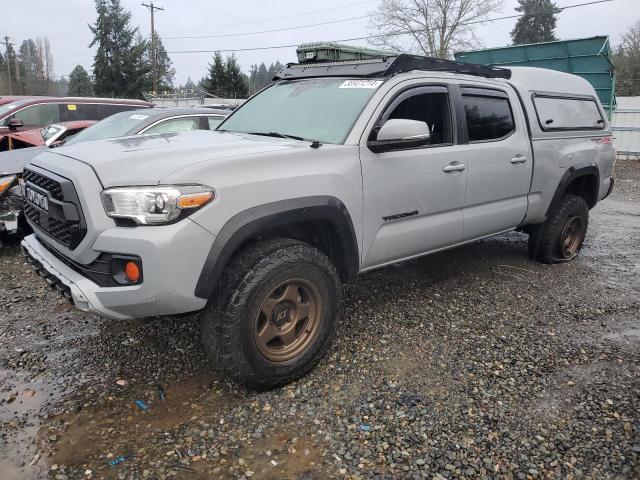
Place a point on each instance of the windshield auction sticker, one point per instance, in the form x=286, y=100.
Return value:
x=137, y=116
x=361, y=84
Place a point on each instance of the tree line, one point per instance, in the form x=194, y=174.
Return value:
x=123, y=58
x=29, y=70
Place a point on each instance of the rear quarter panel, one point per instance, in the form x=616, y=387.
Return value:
x=556, y=151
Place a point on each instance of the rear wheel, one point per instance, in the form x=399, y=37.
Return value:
x=275, y=316
x=561, y=236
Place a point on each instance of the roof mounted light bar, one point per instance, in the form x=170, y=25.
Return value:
x=385, y=67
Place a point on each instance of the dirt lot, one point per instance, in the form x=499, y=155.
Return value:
x=473, y=363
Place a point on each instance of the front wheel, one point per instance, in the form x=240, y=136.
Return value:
x=561, y=236
x=276, y=314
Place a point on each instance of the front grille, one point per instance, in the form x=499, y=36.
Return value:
x=63, y=221
x=48, y=184
x=60, y=231
x=32, y=214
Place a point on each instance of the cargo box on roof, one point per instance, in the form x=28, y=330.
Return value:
x=333, y=52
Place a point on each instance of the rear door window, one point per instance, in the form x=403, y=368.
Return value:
x=555, y=113
x=72, y=112
x=43, y=114
x=488, y=117
x=92, y=111
x=175, y=125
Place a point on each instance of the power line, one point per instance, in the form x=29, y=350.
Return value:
x=298, y=27
x=280, y=17
x=274, y=47
x=392, y=34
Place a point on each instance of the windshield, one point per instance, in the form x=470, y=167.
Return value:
x=4, y=109
x=116, y=125
x=322, y=109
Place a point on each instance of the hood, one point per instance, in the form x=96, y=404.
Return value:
x=145, y=159
x=15, y=160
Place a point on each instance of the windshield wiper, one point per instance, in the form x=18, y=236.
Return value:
x=278, y=135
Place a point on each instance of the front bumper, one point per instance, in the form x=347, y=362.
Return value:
x=172, y=257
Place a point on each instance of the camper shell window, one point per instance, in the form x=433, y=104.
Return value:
x=567, y=113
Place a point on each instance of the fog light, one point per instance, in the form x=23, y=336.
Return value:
x=132, y=272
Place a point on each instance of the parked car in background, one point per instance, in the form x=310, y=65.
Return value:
x=48, y=136
x=149, y=121
x=135, y=122
x=18, y=114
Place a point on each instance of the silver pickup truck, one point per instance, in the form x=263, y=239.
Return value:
x=333, y=170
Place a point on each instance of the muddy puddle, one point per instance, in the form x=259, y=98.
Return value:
x=144, y=426
x=20, y=405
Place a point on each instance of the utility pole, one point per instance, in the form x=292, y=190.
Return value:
x=152, y=8
x=7, y=44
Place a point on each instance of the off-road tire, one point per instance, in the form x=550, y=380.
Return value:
x=227, y=322
x=545, y=239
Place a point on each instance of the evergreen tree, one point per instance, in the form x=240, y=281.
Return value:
x=216, y=80
x=137, y=69
x=120, y=67
x=253, y=73
x=189, y=87
x=537, y=23
x=10, y=71
x=80, y=84
x=164, y=66
x=237, y=84
x=263, y=75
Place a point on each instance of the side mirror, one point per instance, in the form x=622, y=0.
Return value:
x=15, y=123
x=400, y=133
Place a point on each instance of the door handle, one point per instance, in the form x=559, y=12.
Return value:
x=518, y=159
x=454, y=167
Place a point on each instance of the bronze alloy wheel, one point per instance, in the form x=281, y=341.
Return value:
x=288, y=320
x=571, y=237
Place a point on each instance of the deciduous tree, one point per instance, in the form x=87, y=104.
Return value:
x=627, y=62
x=436, y=28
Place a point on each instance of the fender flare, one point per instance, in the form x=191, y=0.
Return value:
x=573, y=172
x=249, y=223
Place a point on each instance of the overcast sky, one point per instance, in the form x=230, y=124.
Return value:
x=65, y=24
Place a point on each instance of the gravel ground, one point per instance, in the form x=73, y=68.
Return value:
x=473, y=363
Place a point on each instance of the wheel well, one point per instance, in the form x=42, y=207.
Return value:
x=585, y=186
x=323, y=222
x=322, y=234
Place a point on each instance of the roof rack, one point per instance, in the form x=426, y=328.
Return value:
x=386, y=66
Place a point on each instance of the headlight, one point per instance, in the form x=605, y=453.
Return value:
x=155, y=205
x=5, y=183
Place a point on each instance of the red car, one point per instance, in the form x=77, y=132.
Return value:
x=48, y=136
x=18, y=114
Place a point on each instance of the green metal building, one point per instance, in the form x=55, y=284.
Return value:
x=587, y=57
